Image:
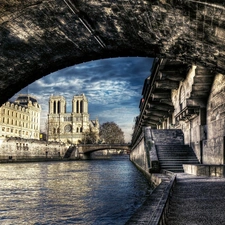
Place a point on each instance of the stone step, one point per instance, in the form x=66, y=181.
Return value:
x=175, y=156
x=171, y=163
x=179, y=163
x=171, y=151
x=174, y=152
x=173, y=147
x=174, y=169
x=172, y=157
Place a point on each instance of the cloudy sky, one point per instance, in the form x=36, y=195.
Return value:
x=113, y=88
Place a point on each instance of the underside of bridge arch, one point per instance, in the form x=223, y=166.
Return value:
x=90, y=149
x=39, y=37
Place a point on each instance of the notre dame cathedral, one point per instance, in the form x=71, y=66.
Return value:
x=69, y=127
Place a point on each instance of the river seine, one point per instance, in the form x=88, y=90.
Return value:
x=95, y=192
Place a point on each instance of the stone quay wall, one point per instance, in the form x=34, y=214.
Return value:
x=16, y=149
x=213, y=146
x=144, y=156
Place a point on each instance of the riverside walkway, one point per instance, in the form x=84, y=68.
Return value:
x=197, y=200
x=192, y=200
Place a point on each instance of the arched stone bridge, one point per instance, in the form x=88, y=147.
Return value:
x=39, y=37
x=89, y=148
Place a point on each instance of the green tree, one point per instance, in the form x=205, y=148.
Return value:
x=111, y=133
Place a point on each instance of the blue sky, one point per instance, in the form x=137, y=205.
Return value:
x=113, y=88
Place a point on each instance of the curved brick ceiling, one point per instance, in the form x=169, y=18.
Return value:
x=38, y=37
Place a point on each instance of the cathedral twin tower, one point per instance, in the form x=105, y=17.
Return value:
x=69, y=127
x=57, y=104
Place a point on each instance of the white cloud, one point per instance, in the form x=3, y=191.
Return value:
x=113, y=88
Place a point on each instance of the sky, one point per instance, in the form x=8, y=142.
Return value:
x=112, y=86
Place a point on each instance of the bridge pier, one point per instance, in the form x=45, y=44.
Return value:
x=84, y=156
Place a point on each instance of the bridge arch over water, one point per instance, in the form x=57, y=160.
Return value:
x=89, y=148
x=40, y=37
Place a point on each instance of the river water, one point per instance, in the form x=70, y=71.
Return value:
x=97, y=192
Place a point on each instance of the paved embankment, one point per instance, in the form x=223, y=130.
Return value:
x=151, y=211
x=197, y=200
x=193, y=200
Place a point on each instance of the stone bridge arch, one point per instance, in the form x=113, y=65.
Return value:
x=39, y=37
x=89, y=148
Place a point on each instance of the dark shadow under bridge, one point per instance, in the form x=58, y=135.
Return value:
x=89, y=148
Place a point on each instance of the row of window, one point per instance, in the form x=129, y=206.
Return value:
x=12, y=113
x=18, y=108
x=69, y=118
x=18, y=123
x=14, y=122
x=67, y=129
x=20, y=146
x=17, y=115
x=15, y=131
x=34, y=120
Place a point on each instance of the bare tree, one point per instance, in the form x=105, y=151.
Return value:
x=111, y=133
x=90, y=137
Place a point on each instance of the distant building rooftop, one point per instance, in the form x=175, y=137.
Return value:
x=23, y=99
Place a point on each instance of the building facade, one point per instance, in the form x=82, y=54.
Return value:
x=20, y=118
x=69, y=127
x=189, y=98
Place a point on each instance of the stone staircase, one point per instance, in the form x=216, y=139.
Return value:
x=171, y=151
x=172, y=157
x=69, y=152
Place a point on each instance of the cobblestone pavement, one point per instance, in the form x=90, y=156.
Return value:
x=197, y=200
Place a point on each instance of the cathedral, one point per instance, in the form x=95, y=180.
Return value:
x=69, y=127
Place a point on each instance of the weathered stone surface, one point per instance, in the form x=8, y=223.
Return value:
x=197, y=200
x=38, y=37
x=19, y=149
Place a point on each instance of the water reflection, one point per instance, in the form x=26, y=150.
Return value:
x=80, y=192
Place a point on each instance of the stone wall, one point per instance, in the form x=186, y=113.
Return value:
x=209, y=170
x=138, y=155
x=204, y=131
x=213, y=147
x=192, y=126
x=13, y=149
x=186, y=85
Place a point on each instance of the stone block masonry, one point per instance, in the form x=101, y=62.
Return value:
x=16, y=149
x=51, y=35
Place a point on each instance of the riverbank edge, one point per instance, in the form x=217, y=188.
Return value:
x=37, y=160
x=61, y=159
x=154, y=209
